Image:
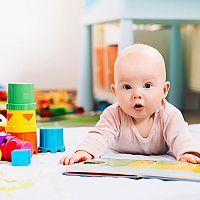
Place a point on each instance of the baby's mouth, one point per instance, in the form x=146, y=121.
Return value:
x=138, y=106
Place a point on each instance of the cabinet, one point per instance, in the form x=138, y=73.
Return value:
x=128, y=12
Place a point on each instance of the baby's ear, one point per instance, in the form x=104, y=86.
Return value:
x=113, y=89
x=166, y=88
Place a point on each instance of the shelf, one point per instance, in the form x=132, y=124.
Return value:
x=143, y=11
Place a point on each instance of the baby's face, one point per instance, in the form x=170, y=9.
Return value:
x=140, y=83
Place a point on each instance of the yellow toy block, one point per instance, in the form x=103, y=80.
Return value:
x=21, y=121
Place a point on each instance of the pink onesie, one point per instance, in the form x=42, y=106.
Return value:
x=116, y=130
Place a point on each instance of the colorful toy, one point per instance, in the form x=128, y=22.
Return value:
x=58, y=111
x=3, y=135
x=3, y=111
x=53, y=103
x=21, y=112
x=21, y=157
x=3, y=95
x=11, y=143
x=3, y=122
x=51, y=139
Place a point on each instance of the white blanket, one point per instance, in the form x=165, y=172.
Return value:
x=43, y=179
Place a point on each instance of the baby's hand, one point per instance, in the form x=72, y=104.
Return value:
x=190, y=157
x=78, y=156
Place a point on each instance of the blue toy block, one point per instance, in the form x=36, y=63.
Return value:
x=51, y=139
x=21, y=157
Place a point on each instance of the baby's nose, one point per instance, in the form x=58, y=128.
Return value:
x=137, y=94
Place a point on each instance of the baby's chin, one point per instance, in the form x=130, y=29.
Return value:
x=141, y=115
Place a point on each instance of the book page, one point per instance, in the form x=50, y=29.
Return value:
x=171, y=170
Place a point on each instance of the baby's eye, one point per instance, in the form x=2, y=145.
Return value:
x=127, y=87
x=147, y=85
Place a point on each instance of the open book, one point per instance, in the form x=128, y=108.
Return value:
x=165, y=170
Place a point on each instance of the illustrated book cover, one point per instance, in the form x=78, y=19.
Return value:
x=136, y=169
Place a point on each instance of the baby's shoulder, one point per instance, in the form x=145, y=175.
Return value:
x=113, y=109
x=169, y=111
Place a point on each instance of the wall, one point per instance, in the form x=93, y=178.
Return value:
x=192, y=67
x=40, y=42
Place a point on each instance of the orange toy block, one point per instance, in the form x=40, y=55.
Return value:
x=29, y=137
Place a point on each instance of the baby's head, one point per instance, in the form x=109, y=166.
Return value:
x=140, y=80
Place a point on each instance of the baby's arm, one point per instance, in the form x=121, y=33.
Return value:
x=99, y=137
x=190, y=157
x=180, y=140
x=78, y=156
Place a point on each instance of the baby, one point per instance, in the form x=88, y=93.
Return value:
x=142, y=121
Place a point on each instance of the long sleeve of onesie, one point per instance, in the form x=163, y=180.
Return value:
x=103, y=134
x=177, y=136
